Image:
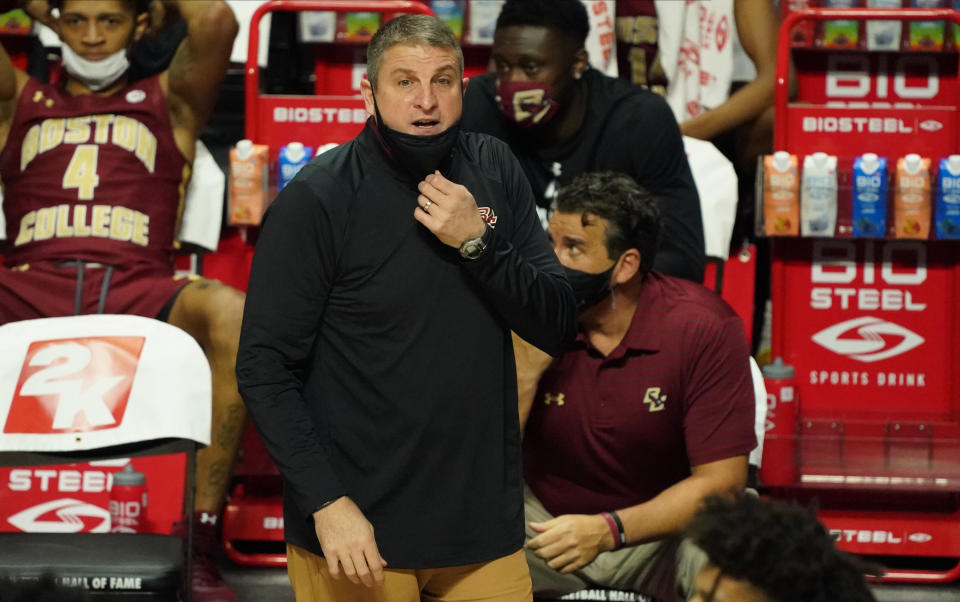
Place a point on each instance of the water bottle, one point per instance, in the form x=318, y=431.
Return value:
x=818, y=195
x=779, y=463
x=128, y=501
x=291, y=160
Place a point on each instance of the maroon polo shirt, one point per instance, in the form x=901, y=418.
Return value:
x=611, y=432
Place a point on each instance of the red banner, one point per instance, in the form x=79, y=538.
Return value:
x=73, y=498
x=869, y=325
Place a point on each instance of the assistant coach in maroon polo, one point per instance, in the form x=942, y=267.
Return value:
x=650, y=412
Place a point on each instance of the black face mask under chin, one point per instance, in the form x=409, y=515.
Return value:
x=419, y=156
x=589, y=289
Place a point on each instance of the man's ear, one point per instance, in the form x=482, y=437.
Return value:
x=627, y=267
x=366, y=90
x=581, y=62
x=463, y=84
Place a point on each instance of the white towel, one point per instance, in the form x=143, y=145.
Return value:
x=716, y=182
x=696, y=43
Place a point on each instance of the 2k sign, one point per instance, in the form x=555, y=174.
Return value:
x=74, y=385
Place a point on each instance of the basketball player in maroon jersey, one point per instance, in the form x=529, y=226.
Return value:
x=95, y=170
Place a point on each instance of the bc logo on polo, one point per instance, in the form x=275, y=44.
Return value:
x=654, y=399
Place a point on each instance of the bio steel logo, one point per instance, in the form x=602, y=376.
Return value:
x=868, y=339
x=854, y=82
x=883, y=279
x=849, y=77
x=855, y=284
x=878, y=536
x=319, y=115
x=71, y=385
x=65, y=515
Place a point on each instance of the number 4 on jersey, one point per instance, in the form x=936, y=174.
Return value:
x=82, y=171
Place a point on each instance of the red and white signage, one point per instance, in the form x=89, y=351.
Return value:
x=877, y=80
x=78, y=384
x=850, y=103
x=890, y=535
x=86, y=382
x=865, y=323
x=74, y=498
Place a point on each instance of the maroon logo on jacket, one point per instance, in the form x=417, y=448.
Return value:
x=488, y=216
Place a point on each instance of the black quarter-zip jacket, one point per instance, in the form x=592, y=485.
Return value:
x=378, y=364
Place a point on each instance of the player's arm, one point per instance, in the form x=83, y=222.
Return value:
x=8, y=80
x=201, y=61
x=12, y=79
x=757, y=25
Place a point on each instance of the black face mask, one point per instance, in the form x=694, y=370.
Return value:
x=419, y=156
x=589, y=289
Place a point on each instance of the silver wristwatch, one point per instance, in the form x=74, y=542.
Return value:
x=473, y=248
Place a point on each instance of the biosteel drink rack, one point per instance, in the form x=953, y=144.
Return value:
x=871, y=324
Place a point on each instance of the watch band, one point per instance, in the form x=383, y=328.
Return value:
x=474, y=248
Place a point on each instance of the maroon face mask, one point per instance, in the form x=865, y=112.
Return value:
x=527, y=103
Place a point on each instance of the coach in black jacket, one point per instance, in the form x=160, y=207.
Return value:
x=376, y=357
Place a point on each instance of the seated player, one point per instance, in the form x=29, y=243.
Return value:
x=94, y=171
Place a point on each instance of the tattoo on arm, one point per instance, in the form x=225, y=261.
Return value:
x=219, y=473
x=180, y=63
x=230, y=427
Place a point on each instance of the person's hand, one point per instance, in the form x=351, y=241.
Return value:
x=39, y=10
x=346, y=538
x=570, y=541
x=448, y=210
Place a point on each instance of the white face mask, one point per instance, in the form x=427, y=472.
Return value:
x=96, y=75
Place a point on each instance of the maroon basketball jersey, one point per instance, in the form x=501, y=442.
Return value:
x=92, y=177
x=638, y=53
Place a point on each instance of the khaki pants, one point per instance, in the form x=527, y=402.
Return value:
x=502, y=580
x=657, y=569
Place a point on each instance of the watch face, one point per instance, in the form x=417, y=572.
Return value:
x=472, y=248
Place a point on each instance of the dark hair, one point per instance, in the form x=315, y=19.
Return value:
x=631, y=212
x=779, y=548
x=409, y=29
x=568, y=16
x=137, y=6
